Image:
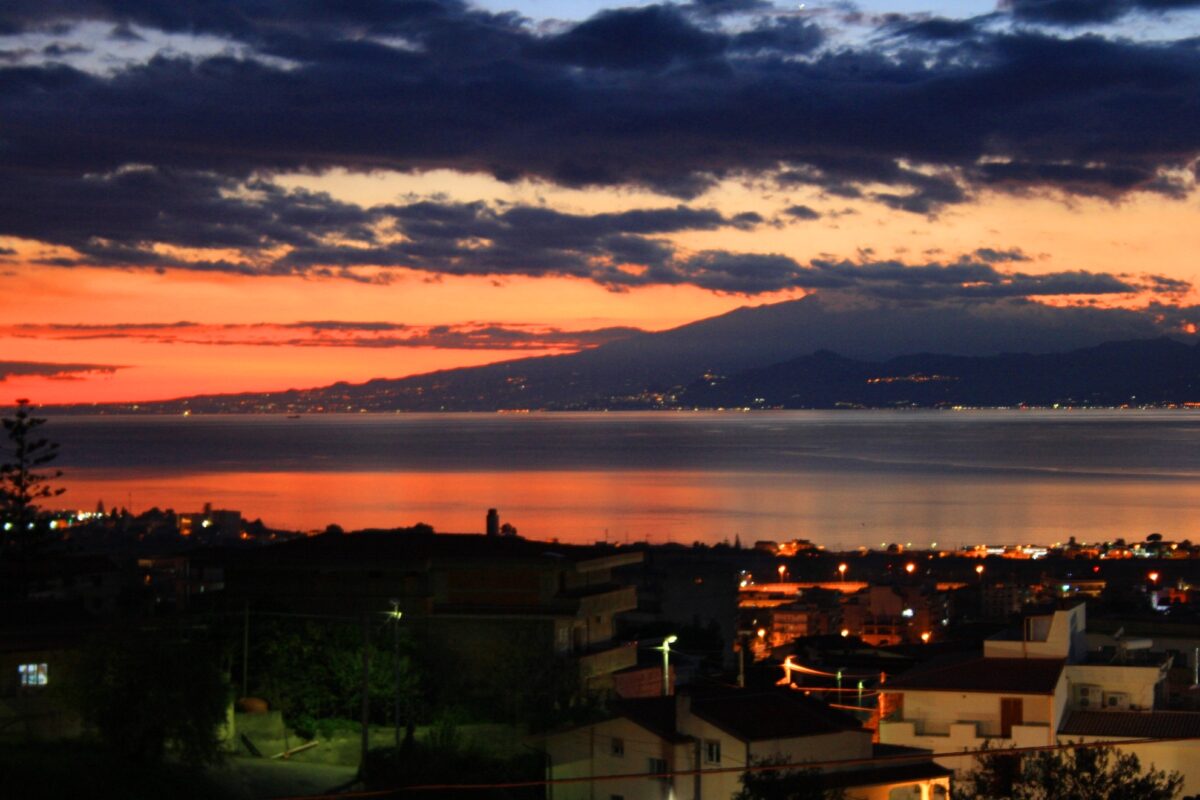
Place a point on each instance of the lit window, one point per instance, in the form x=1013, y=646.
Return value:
x=618, y=747
x=33, y=674
x=712, y=751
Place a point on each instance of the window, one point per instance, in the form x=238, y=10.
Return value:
x=712, y=751
x=656, y=766
x=618, y=747
x=33, y=674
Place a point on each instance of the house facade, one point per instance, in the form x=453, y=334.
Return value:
x=1040, y=686
x=697, y=744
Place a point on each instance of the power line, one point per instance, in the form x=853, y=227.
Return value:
x=844, y=762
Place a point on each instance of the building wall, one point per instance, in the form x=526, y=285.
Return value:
x=1136, y=682
x=1061, y=635
x=944, y=722
x=588, y=751
x=934, y=713
x=1179, y=756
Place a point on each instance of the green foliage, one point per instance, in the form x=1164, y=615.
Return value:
x=149, y=691
x=1083, y=773
x=22, y=486
x=784, y=784
x=522, y=681
x=312, y=671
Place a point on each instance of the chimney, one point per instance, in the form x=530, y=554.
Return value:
x=493, y=522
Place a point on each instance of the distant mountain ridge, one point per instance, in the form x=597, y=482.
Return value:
x=1158, y=371
x=806, y=353
x=1140, y=372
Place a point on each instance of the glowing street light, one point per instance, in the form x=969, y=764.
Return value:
x=925, y=637
x=666, y=651
x=395, y=614
x=910, y=568
x=782, y=572
x=842, y=571
x=979, y=570
x=1153, y=576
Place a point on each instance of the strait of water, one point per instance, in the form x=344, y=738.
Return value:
x=842, y=479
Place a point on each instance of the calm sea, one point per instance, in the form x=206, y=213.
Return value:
x=840, y=478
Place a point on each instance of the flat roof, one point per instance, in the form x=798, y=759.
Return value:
x=1132, y=724
x=991, y=675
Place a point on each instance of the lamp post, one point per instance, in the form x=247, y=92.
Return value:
x=842, y=572
x=666, y=651
x=396, y=614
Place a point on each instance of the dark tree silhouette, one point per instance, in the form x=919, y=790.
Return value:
x=784, y=784
x=150, y=692
x=1083, y=773
x=22, y=485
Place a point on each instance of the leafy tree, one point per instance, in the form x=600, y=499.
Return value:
x=1081, y=773
x=784, y=784
x=21, y=484
x=146, y=692
x=312, y=670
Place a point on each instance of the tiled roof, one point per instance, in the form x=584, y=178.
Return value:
x=1132, y=724
x=879, y=776
x=655, y=714
x=748, y=715
x=754, y=716
x=992, y=675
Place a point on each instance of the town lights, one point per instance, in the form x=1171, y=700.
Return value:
x=925, y=637
x=910, y=568
x=842, y=571
x=782, y=572
x=979, y=569
x=1153, y=576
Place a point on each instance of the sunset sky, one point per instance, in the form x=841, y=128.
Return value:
x=229, y=195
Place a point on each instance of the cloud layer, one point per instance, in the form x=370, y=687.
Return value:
x=331, y=333
x=52, y=371
x=129, y=163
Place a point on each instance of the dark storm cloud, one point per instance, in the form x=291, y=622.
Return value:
x=801, y=212
x=1083, y=12
x=51, y=371
x=180, y=150
x=631, y=96
x=121, y=218
x=332, y=333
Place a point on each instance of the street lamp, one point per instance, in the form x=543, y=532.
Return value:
x=396, y=614
x=666, y=651
x=979, y=570
x=1153, y=576
x=782, y=572
x=842, y=571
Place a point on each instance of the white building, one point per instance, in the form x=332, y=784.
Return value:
x=1040, y=687
x=698, y=744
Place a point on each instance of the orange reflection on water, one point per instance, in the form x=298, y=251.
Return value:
x=835, y=509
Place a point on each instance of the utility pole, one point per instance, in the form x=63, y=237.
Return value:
x=396, y=614
x=245, y=648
